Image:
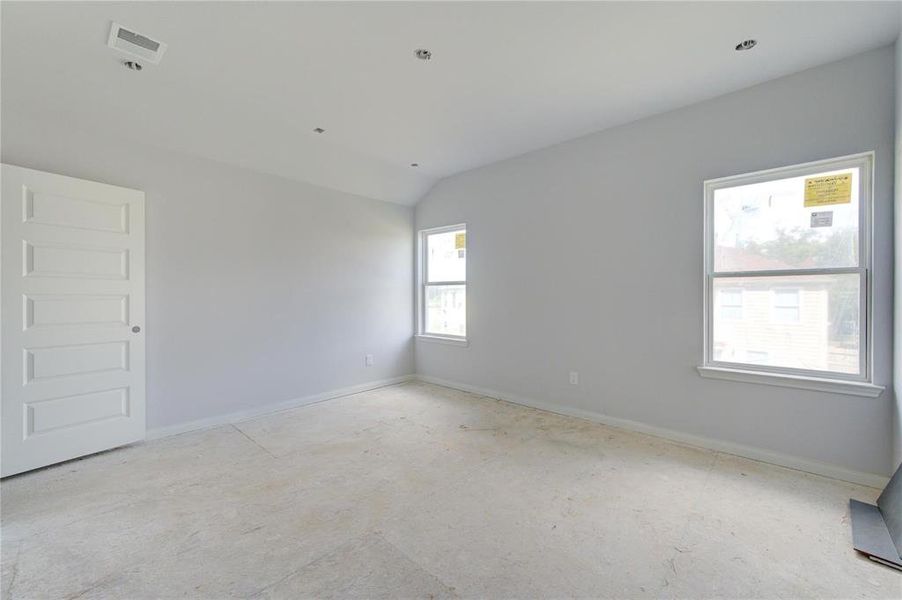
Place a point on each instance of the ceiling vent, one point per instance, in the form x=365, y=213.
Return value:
x=135, y=44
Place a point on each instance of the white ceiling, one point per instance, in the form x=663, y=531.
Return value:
x=245, y=83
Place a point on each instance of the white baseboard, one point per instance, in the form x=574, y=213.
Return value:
x=759, y=454
x=257, y=411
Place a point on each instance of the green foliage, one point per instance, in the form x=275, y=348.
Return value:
x=805, y=247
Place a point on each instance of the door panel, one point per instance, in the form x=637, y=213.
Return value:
x=74, y=213
x=74, y=309
x=72, y=361
x=71, y=411
x=54, y=260
x=71, y=290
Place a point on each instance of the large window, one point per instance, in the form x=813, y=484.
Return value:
x=443, y=282
x=787, y=267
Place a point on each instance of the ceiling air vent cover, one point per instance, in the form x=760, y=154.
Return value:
x=134, y=44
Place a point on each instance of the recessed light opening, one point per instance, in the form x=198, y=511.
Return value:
x=746, y=45
x=134, y=66
x=414, y=165
x=423, y=54
x=319, y=130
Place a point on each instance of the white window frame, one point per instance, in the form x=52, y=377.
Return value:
x=422, y=265
x=860, y=384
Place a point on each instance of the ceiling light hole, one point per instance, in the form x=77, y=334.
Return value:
x=319, y=130
x=414, y=165
x=423, y=54
x=132, y=65
x=746, y=45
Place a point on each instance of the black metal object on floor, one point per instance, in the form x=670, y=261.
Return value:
x=877, y=530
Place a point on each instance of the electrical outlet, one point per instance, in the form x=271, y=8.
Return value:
x=368, y=360
x=574, y=378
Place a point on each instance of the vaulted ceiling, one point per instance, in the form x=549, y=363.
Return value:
x=247, y=83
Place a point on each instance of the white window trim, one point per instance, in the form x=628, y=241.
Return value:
x=421, y=335
x=442, y=339
x=820, y=384
x=858, y=384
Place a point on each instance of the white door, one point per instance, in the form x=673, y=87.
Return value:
x=71, y=328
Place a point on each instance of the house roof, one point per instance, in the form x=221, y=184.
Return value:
x=729, y=258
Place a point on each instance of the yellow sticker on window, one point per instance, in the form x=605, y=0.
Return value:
x=460, y=241
x=829, y=189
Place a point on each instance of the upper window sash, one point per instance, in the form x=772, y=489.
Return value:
x=444, y=256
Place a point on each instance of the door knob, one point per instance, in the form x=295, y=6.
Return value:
x=136, y=329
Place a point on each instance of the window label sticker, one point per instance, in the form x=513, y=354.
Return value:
x=823, y=218
x=460, y=241
x=829, y=189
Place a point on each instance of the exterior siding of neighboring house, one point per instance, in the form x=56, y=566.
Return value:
x=762, y=320
x=765, y=326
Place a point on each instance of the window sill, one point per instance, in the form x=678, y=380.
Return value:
x=438, y=339
x=836, y=386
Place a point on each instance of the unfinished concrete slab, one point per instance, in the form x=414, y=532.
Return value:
x=421, y=491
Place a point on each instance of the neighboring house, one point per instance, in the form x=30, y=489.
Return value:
x=445, y=312
x=799, y=323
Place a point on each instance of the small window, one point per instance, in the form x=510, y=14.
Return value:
x=786, y=306
x=787, y=266
x=443, y=282
x=730, y=303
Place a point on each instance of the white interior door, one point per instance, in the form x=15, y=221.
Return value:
x=71, y=329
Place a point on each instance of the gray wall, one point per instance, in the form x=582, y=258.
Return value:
x=587, y=256
x=897, y=360
x=259, y=289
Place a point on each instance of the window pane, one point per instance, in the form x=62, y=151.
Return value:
x=446, y=309
x=766, y=226
x=446, y=256
x=806, y=322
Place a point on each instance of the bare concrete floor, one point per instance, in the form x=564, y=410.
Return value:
x=421, y=491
